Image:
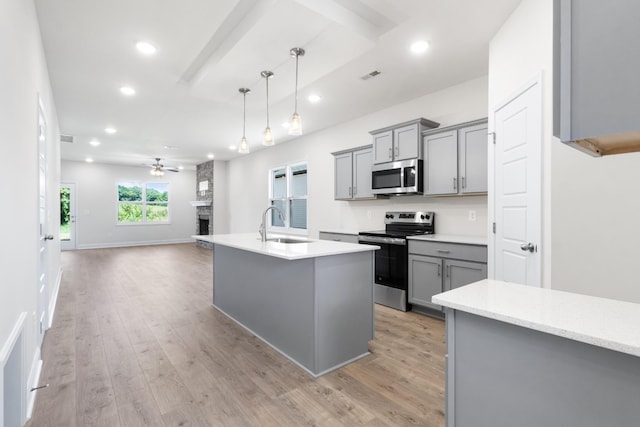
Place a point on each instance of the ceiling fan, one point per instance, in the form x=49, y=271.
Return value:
x=158, y=169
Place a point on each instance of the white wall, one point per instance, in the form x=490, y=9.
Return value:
x=590, y=205
x=23, y=76
x=220, y=197
x=248, y=183
x=96, y=203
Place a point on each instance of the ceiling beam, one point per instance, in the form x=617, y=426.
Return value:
x=353, y=15
x=241, y=19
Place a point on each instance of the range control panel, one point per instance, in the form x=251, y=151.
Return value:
x=420, y=217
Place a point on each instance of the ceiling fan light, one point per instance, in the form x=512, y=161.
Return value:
x=267, y=137
x=295, y=125
x=157, y=172
x=244, y=146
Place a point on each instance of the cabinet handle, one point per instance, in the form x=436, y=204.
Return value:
x=390, y=154
x=350, y=191
x=355, y=191
x=443, y=251
x=397, y=151
x=448, y=270
x=439, y=270
x=463, y=183
x=454, y=183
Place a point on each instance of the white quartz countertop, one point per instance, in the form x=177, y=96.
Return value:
x=598, y=321
x=451, y=238
x=291, y=251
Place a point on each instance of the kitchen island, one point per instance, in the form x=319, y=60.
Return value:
x=311, y=300
x=525, y=356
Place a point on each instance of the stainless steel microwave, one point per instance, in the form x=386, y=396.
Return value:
x=403, y=177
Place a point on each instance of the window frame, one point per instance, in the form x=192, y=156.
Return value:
x=143, y=203
x=287, y=229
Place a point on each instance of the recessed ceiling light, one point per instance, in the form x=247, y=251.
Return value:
x=94, y=142
x=88, y=160
x=170, y=147
x=420, y=46
x=211, y=156
x=180, y=167
x=110, y=131
x=146, y=48
x=314, y=98
x=232, y=147
x=128, y=91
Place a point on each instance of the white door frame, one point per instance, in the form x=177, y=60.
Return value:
x=70, y=244
x=537, y=236
x=43, y=225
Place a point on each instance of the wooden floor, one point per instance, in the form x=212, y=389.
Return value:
x=136, y=341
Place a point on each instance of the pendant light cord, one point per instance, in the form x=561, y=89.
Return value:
x=295, y=106
x=244, y=112
x=267, y=79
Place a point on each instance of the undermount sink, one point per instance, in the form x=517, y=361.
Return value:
x=286, y=240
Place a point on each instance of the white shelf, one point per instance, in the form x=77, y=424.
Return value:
x=200, y=202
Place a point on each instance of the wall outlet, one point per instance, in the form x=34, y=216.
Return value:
x=472, y=215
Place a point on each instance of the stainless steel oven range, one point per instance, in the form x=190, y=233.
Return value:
x=391, y=280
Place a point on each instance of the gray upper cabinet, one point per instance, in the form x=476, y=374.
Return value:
x=596, y=63
x=353, y=174
x=472, y=156
x=400, y=142
x=456, y=159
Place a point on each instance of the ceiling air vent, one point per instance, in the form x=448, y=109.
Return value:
x=66, y=138
x=370, y=75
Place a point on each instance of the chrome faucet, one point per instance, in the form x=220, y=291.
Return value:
x=263, y=228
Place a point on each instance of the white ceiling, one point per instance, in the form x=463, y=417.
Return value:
x=187, y=93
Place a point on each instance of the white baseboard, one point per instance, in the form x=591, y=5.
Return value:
x=128, y=244
x=54, y=297
x=34, y=378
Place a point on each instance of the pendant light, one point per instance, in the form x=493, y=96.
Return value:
x=295, y=125
x=244, y=146
x=267, y=137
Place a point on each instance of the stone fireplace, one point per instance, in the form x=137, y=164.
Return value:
x=204, y=202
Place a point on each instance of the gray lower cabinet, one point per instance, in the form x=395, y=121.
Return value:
x=435, y=267
x=339, y=237
x=353, y=174
x=456, y=159
x=425, y=280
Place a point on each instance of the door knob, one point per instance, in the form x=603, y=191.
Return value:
x=48, y=237
x=528, y=247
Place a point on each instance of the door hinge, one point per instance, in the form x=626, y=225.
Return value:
x=493, y=137
x=494, y=228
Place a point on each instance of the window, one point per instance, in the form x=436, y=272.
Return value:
x=288, y=192
x=143, y=203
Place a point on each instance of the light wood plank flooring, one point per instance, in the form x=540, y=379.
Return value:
x=135, y=341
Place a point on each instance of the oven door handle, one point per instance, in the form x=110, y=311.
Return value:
x=384, y=240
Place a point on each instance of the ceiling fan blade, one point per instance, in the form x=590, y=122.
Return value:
x=172, y=169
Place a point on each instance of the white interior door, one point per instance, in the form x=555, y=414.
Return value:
x=517, y=183
x=67, y=216
x=43, y=236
